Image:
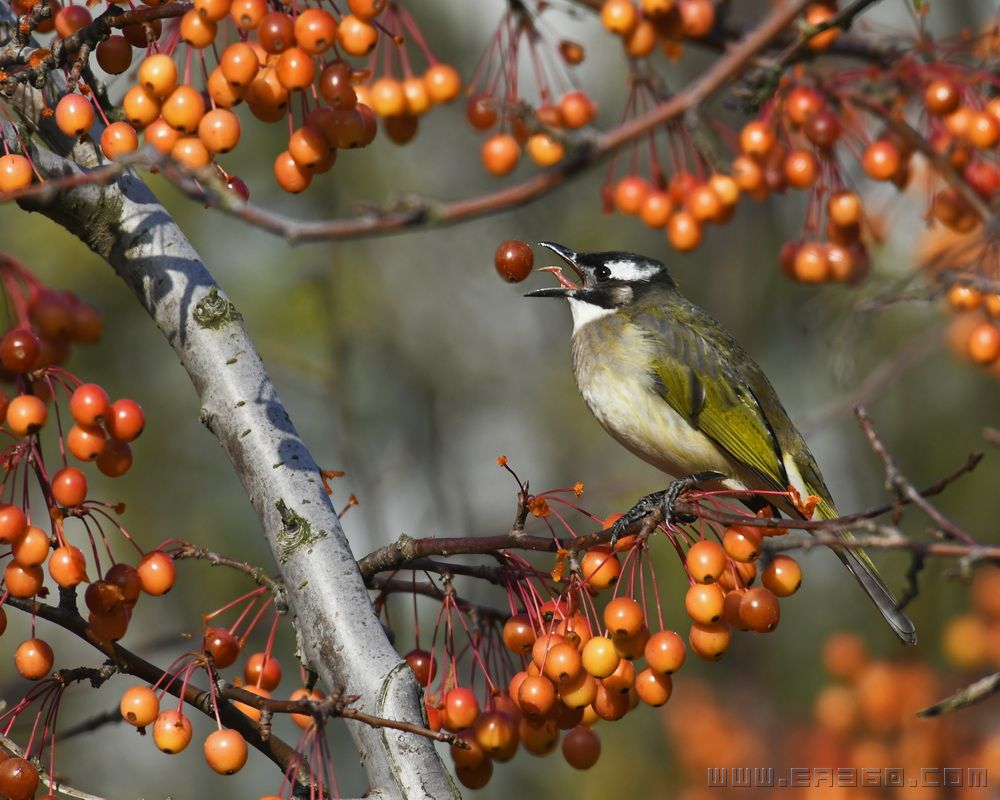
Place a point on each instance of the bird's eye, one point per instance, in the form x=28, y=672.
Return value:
x=602, y=273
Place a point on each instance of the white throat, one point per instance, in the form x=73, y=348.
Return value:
x=584, y=313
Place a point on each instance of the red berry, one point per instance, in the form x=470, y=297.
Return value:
x=125, y=421
x=89, y=404
x=513, y=260
x=69, y=487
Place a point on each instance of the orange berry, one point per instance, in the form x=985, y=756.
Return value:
x=33, y=659
x=74, y=115
x=536, y=697
x=157, y=573
x=239, y=63
x=580, y=693
x=665, y=652
x=844, y=208
x=315, y=30
x=219, y=130
x=623, y=617
x=983, y=345
x=984, y=130
x=704, y=204
x=656, y=209
x=367, y=9
x=757, y=138
x=742, y=543
x=32, y=548
x=726, y=189
x=118, y=139
x=710, y=642
x=26, y=414
x=811, y=264
x=704, y=603
x=356, y=36
x=654, y=688
x=248, y=13
x=67, y=566
x=140, y=107
x=544, y=149
x=782, y=575
x=443, y=83
x=15, y=172
x=941, y=97
x=191, y=153
x=964, y=298
x=802, y=103
x=619, y=16
x=139, y=706
x=295, y=69
x=197, y=31
x=801, y=168
x=600, y=567
x=629, y=194
x=158, y=75
x=576, y=109
x=460, y=709
x=289, y=175
x=881, y=160
x=684, y=231
x=697, y=18
x=562, y=663
x=705, y=561
x=496, y=733
x=610, y=705
x=172, y=730
x=819, y=14
x=500, y=154
x=599, y=657
x=184, y=108
x=225, y=751
x=22, y=581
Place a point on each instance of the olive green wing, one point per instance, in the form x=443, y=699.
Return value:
x=697, y=376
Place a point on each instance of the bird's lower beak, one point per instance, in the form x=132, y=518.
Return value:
x=566, y=287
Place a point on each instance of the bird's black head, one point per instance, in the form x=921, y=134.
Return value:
x=609, y=280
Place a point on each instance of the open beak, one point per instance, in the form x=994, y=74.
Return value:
x=566, y=287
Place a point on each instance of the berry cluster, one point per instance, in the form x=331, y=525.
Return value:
x=277, y=60
x=563, y=663
x=497, y=101
x=664, y=22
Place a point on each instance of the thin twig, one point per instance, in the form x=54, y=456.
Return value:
x=974, y=693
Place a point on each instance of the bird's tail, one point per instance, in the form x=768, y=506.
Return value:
x=861, y=567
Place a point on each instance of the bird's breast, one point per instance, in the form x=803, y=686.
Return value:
x=611, y=361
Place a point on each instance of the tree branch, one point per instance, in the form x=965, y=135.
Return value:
x=339, y=635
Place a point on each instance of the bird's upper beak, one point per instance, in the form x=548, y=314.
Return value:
x=566, y=287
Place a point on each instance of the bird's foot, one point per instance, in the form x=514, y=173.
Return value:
x=663, y=502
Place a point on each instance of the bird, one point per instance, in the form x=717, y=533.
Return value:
x=671, y=385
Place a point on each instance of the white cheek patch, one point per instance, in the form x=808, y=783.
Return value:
x=630, y=271
x=584, y=313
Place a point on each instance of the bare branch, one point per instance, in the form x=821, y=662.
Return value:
x=974, y=693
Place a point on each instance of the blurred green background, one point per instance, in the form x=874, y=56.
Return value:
x=407, y=362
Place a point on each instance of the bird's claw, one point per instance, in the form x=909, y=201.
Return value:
x=664, y=502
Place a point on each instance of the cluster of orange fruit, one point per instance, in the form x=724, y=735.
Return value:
x=863, y=723
x=278, y=64
x=577, y=668
x=225, y=749
x=653, y=22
